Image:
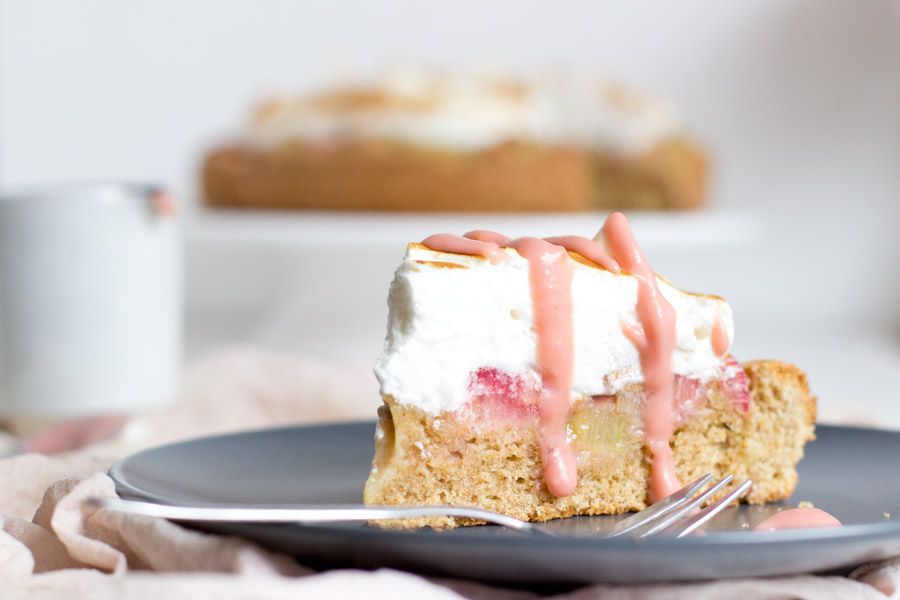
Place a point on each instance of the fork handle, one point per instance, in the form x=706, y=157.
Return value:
x=307, y=514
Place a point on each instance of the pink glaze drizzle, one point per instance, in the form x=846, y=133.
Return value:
x=654, y=339
x=589, y=249
x=550, y=274
x=798, y=518
x=448, y=242
x=719, y=337
x=483, y=235
x=550, y=271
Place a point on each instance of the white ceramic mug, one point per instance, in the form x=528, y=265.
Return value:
x=90, y=301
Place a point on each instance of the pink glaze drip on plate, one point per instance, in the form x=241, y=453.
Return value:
x=798, y=518
x=719, y=337
x=654, y=338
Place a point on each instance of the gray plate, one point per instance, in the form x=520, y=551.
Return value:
x=848, y=472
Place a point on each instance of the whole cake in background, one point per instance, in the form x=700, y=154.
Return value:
x=559, y=377
x=417, y=140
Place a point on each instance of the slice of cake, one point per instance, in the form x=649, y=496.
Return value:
x=559, y=377
x=417, y=140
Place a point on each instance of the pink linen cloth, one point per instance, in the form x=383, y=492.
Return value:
x=54, y=546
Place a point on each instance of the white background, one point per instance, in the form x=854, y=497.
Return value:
x=797, y=101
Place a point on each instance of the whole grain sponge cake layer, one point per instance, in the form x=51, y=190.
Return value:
x=436, y=459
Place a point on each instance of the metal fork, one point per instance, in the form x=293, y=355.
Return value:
x=671, y=516
x=677, y=514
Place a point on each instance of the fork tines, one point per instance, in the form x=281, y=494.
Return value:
x=677, y=514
